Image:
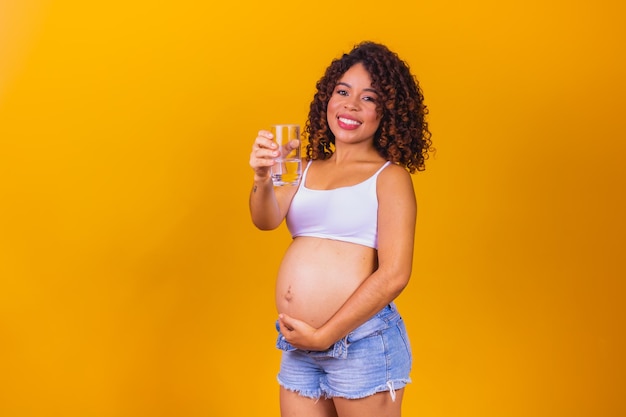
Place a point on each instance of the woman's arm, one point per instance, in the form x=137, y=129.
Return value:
x=396, y=232
x=268, y=204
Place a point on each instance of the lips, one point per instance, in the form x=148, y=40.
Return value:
x=348, y=123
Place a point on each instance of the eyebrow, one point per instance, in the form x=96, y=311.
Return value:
x=365, y=89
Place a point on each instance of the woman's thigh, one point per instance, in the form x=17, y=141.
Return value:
x=292, y=404
x=377, y=405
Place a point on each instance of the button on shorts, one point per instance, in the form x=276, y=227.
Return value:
x=373, y=358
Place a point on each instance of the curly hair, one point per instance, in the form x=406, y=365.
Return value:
x=402, y=136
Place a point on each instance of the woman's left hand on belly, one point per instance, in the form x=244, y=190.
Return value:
x=301, y=335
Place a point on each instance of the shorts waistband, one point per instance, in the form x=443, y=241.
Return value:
x=382, y=320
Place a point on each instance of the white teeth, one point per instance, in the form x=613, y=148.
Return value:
x=349, y=121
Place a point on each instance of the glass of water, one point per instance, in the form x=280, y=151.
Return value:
x=288, y=165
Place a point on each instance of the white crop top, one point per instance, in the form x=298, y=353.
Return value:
x=348, y=214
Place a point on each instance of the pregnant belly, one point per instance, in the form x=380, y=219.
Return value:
x=318, y=275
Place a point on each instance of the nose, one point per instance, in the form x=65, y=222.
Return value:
x=352, y=103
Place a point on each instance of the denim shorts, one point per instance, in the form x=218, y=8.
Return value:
x=375, y=357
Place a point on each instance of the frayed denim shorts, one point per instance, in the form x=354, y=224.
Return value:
x=375, y=357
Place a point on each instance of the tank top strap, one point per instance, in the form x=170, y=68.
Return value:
x=381, y=168
x=306, y=169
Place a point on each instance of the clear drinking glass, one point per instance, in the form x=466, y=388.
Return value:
x=288, y=167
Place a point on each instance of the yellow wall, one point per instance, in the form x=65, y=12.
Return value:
x=133, y=284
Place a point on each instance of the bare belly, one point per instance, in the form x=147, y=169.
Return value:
x=318, y=275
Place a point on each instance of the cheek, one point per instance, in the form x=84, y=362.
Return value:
x=331, y=120
x=332, y=106
x=374, y=117
x=331, y=110
x=375, y=124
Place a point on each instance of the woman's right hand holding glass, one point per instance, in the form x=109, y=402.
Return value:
x=262, y=156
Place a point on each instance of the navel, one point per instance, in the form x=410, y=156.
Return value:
x=288, y=294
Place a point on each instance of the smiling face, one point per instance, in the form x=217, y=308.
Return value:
x=352, y=108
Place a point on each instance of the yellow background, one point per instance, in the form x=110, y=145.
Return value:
x=132, y=282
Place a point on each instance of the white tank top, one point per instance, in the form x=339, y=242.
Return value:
x=348, y=214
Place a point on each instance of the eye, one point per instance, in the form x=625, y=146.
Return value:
x=341, y=92
x=370, y=98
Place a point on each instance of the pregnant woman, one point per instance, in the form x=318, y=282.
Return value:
x=345, y=351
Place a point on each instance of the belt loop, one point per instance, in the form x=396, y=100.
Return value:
x=340, y=349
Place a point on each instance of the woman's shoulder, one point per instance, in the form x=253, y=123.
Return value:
x=394, y=171
x=394, y=176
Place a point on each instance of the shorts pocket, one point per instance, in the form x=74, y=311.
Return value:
x=405, y=338
x=281, y=342
x=371, y=327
